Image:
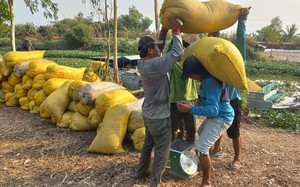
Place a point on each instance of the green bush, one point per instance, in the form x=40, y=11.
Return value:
x=259, y=68
x=285, y=119
x=5, y=42
x=50, y=45
x=72, y=54
x=72, y=62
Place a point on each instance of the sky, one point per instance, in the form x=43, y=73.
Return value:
x=262, y=12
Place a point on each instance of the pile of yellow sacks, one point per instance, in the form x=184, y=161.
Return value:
x=71, y=98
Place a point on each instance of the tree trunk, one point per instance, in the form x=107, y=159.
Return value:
x=116, y=69
x=156, y=18
x=12, y=25
x=107, y=42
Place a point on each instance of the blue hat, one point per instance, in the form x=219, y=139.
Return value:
x=192, y=65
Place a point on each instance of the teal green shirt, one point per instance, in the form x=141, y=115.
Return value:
x=181, y=90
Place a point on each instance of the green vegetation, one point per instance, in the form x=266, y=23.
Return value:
x=81, y=54
x=285, y=119
x=273, y=69
x=72, y=62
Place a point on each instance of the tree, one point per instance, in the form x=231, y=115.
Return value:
x=134, y=21
x=272, y=32
x=290, y=33
x=47, y=32
x=79, y=36
x=156, y=18
x=50, y=11
x=5, y=16
x=24, y=30
x=116, y=71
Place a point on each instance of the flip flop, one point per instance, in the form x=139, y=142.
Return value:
x=218, y=154
x=234, y=166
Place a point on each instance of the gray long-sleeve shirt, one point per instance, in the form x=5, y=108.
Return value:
x=155, y=81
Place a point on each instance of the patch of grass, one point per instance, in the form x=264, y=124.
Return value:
x=285, y=119
x=272, y=69
x=72, y=62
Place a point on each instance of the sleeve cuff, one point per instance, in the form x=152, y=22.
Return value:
x=177, y=30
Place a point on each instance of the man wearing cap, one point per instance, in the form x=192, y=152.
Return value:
x=25, y=46
x=215, y=107
x=156, y=107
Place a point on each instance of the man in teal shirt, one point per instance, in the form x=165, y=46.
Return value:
x=233, y=131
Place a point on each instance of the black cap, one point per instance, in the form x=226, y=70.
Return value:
x=192, y=65
x=146, y=41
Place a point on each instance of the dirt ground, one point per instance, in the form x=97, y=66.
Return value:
x=283, y=56
x=34, y=152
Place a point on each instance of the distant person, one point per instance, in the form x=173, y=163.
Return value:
x=25, y=46
x=156, y=107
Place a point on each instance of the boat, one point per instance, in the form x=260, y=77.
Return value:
x=271, y=98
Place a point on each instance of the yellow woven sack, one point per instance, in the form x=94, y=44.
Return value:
x=20, y=68
x=84, y=109
x=52, y=84
x=221, y=58
x=2, y=77
x=2, y=96
x=57, y=102
x=138, y=138
x=39, y=97
x=6, y=87
x=135, y=121
x=72, y=107
x=38, y=82
x=36, y=109
x=27, y=82
x=80, y=122
x=94, y=118
x=136, y=105
x=31, y=94
x=13, y=57
x=13, y=79
x=91, y=77
x=200, y=17
x=74, y=88
x=108, y=99
x=65, y=120
x=11, y=100
x=37, y=67
x=64, y=72
x=253, y=87
x=97, y=65
x=24, y=102
x=19, y=91
x=110, y=137
x=4, y=69
x=90, y=91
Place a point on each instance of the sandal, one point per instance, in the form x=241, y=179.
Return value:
x=234, y=166
x=218, y=154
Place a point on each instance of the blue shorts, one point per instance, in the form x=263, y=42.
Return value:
x=209, y=132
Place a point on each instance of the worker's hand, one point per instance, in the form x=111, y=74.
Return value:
x=176, y=23
x=184, y=106
x=245, y=10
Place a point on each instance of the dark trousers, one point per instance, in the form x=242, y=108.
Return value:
x=158, y=136
x=234, y=130
x=182, y=121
